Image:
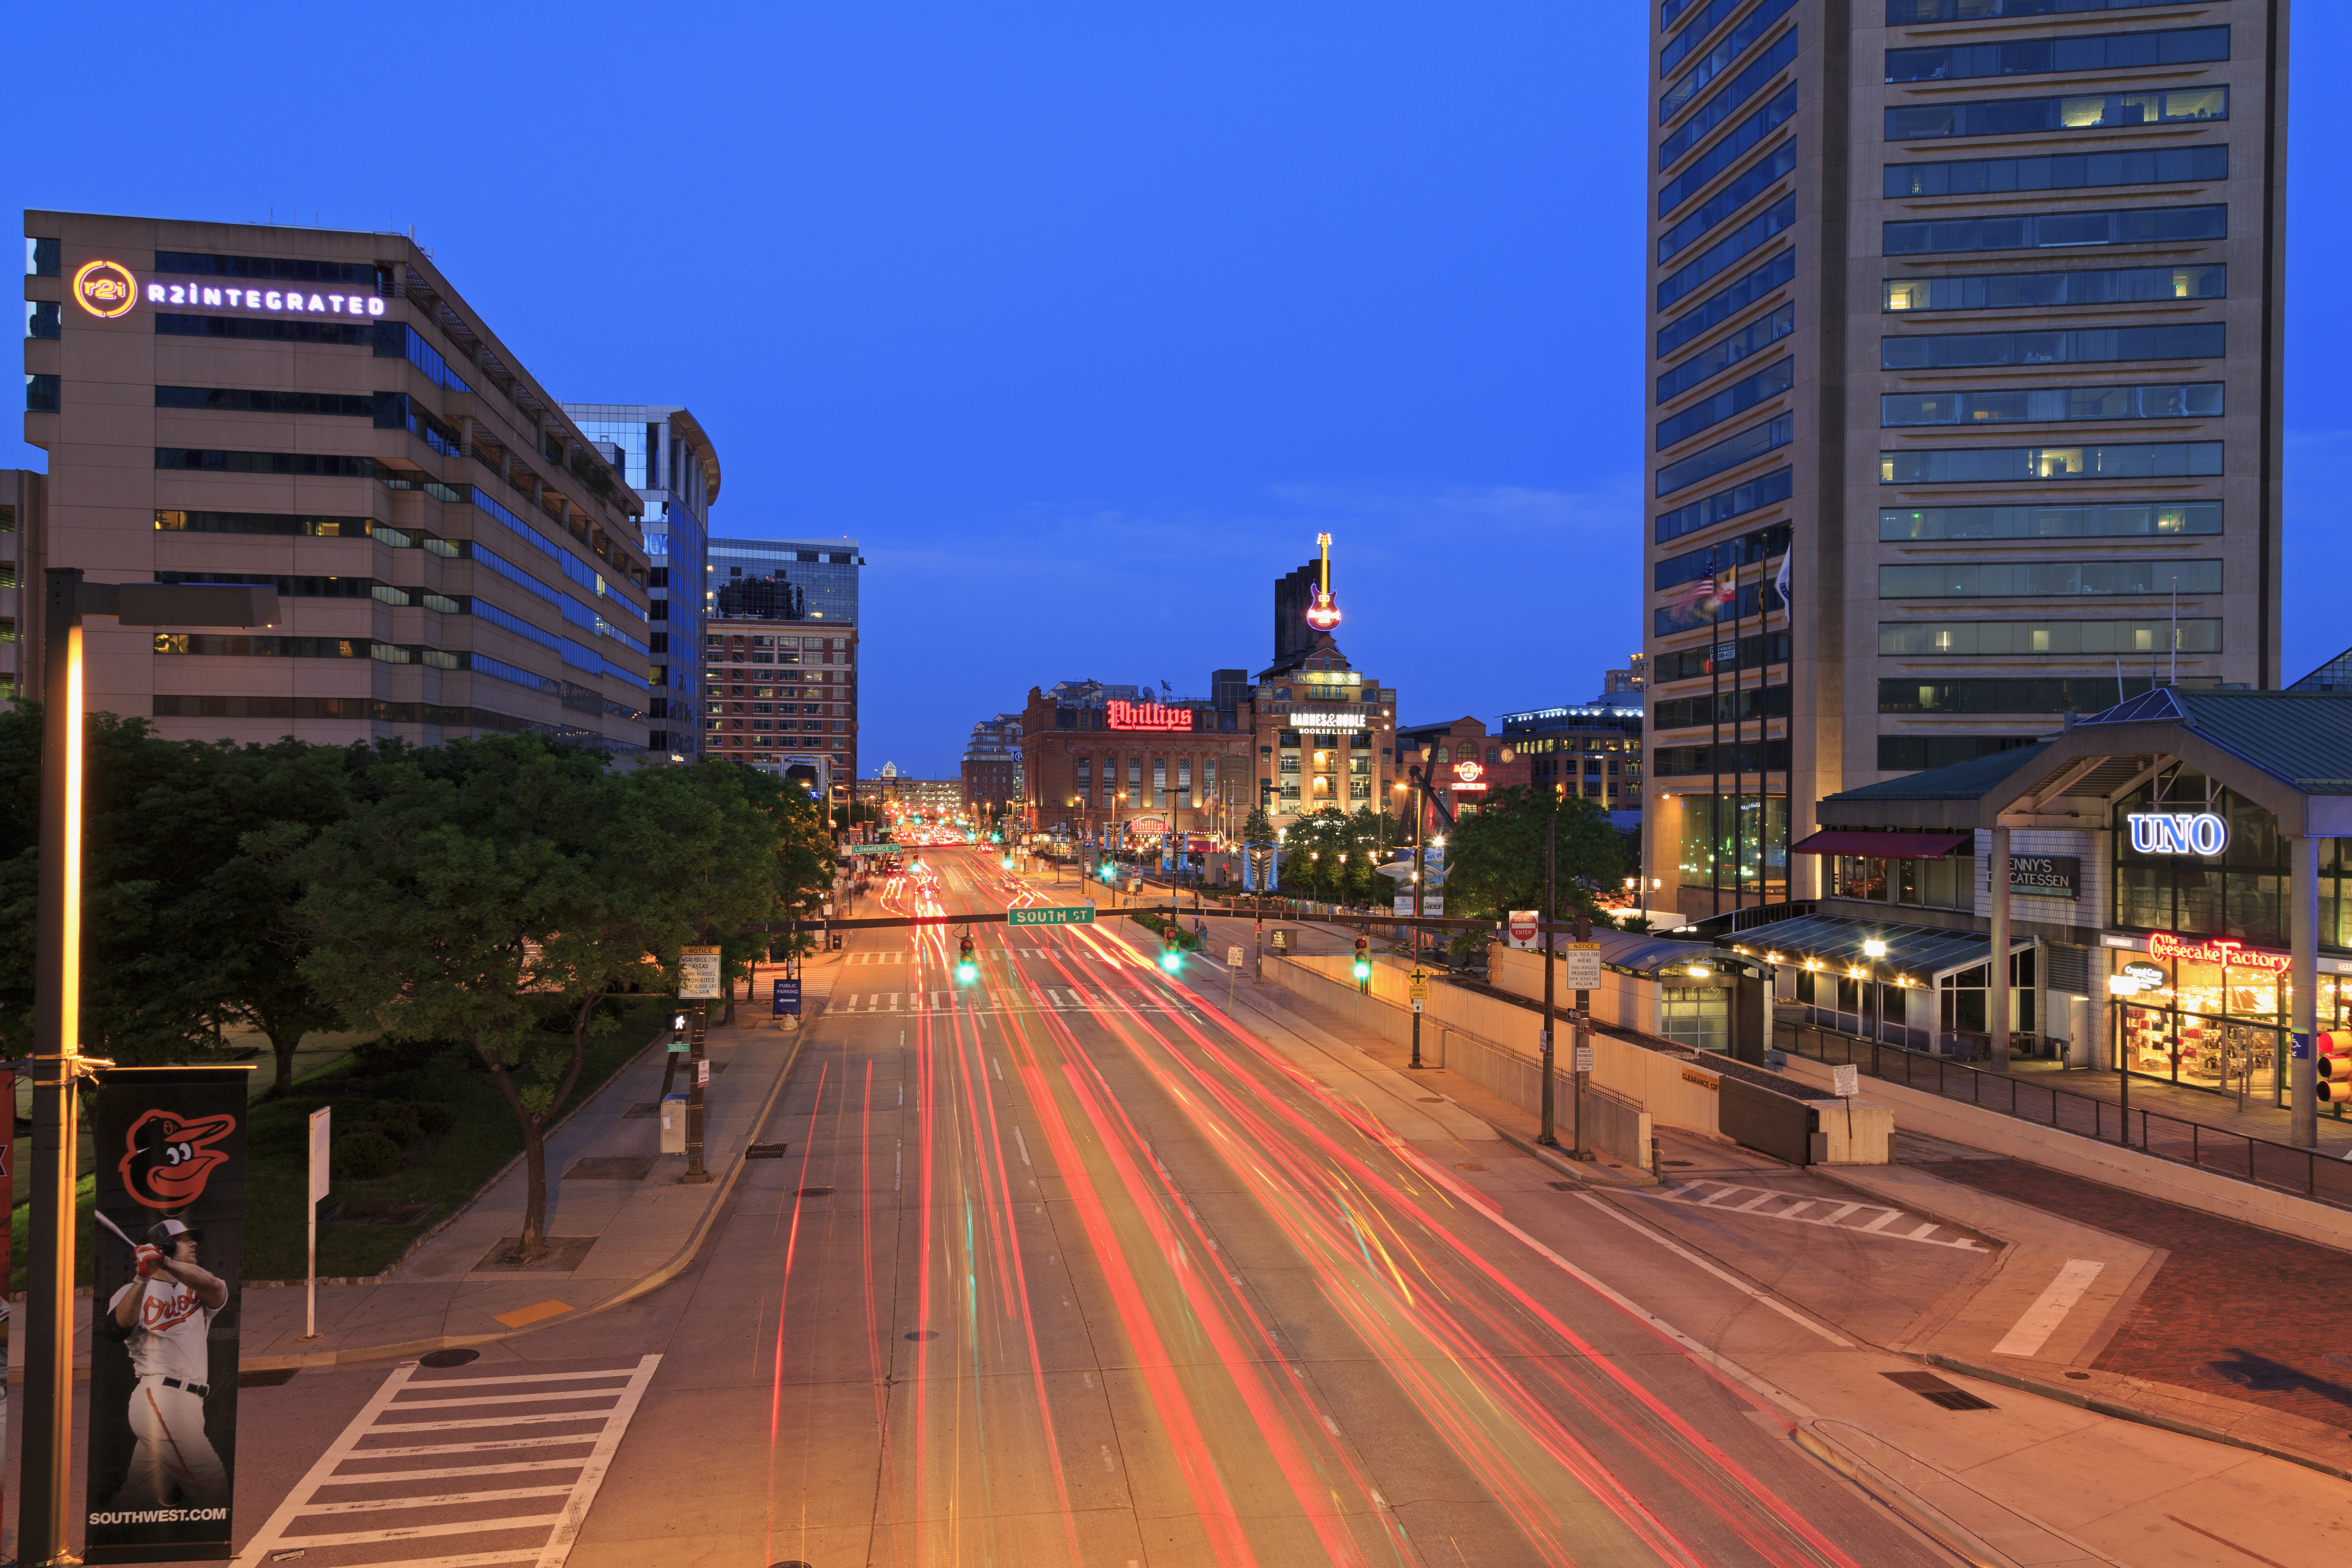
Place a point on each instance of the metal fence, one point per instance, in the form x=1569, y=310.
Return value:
x=2307, y=1172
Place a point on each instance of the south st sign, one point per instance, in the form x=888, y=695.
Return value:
x=108, y=289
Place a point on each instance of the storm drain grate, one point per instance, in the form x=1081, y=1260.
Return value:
x=271, y=1378
x=1936, y=1391
x=814, y=1193
x=766, y=1151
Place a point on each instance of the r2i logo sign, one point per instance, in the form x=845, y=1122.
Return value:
x=2178, y=832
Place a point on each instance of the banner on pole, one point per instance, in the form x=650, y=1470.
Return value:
x=170, y=1145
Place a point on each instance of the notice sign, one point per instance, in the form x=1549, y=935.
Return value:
x=1580, y=967
x=1233, y=957
x=167, y=1260
x=2046, y=875
x=1845, y=1080
x=698, y=974
x=1584, y=1058
x=1521, y=929
x=1081, y=915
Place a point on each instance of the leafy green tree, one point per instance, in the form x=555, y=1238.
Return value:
x=481, y=890
x=1257, y=827
x=1494, y=859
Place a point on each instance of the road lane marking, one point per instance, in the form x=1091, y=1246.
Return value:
x=2033, y=1330
x=1023, y=1144
x=1742, y=1286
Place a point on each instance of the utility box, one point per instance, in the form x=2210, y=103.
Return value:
x=673, y=1121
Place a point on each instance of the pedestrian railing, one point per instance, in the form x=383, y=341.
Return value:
x=2311, y=1172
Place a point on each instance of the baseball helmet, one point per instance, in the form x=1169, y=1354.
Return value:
x=165, y=1234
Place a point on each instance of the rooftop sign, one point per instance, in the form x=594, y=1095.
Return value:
x=1297, y=719
x=1148, y=716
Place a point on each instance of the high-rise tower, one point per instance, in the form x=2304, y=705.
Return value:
x=1965, y=323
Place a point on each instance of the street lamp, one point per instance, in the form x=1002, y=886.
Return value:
x=47, y=1478
x=1874, y=949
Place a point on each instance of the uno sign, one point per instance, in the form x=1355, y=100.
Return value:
x=1148, y=716
x=107, y=290
x=2178, y=832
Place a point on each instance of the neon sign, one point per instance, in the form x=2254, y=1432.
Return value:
x=2163, y=946
x=1298, y=720
x=2178, y=832
x=1324, y=613
x=284, y=301
x=1148, y=716
x=105, y=289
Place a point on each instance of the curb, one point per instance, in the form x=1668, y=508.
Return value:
x=1899, y=1500
x=2122, y=1412
x=669, y=1270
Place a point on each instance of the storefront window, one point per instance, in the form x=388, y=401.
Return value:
x=2241, y=893
x=1736, y=843
x=2219, y=1025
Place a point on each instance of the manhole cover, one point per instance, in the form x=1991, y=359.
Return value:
x=922, y=1333
x=814, y=1193
x=448, y=1358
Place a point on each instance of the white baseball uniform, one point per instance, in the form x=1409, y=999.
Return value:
x=167, y=1406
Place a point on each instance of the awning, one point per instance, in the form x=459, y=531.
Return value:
x=1899, y=846
x=1836, y=942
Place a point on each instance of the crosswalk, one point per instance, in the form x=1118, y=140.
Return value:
x=458, y=1471
x=1834, y=1213
x=1045, y=999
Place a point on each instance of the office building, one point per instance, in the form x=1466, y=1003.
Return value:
x=1592, y=750
x=992, y=765
x=781, y=696
x=1965, y=322
x=662, y=453
x=20, y=582
x=321, y=412
x=815, y=579
x=1634, y=677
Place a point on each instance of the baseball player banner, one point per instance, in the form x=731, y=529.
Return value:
x=165, y=1251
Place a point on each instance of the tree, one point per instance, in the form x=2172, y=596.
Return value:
x=1257, y=827
x=1494, y=859
x=478, y=891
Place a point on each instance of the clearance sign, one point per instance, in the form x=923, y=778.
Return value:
x=107, y=290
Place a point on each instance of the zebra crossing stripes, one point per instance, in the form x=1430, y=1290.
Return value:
x=501, y=1482
x=1835, y=1214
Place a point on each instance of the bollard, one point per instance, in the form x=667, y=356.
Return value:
x=1655, y=1168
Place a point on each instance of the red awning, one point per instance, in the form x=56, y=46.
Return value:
x=1899, y=846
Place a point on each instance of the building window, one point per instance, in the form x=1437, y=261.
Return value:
x=2060, y=172
x=2101, y=285
x=2079, y=112
x=2044, y=57
x=1995, y=464
x=2012, y=405
x=2027, y=231
x=2159, y=520
x=41, y=394
x=1724, y=352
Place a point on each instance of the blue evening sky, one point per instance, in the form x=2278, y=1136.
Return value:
x=1082, y=319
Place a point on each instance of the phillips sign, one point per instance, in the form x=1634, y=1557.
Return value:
x=1149, y=716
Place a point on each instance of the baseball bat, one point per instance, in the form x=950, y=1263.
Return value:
x=117, y=1229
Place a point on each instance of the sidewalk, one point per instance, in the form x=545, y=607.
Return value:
x=2259, y=1119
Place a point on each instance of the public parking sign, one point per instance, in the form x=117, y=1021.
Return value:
x=788, y=997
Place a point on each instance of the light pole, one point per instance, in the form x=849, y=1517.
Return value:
x=1874, y=949
x=46, y=1484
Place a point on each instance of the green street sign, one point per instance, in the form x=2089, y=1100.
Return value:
x=1083, y=915
x=872, y=848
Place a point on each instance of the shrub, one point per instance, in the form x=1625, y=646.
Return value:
x=402, y=1135
x=435, y=1117
x=362, y=1156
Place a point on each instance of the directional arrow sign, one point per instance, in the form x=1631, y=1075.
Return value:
x=1083, y=915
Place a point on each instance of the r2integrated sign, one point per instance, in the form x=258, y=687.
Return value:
x=1083, y=915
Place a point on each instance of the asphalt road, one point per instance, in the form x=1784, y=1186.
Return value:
x=1064, y=1267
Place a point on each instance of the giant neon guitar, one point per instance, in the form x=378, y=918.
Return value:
x=1324, y=613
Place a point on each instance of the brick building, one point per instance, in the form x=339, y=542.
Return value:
x=991, y=764
x=779, y=694
x=1466, y=765
x=1323, y=732
x=1097, y=766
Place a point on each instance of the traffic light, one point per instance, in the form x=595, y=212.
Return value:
x=967, y=966
x=1171, y=950
x=1363, y=964
x=2335, y=1066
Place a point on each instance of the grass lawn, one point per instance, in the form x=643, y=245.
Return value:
x=458, y=1128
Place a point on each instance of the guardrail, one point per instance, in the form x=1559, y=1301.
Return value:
x=2224, y=1152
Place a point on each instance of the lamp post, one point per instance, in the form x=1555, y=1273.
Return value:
x=1874, y=949
x=46, y=1484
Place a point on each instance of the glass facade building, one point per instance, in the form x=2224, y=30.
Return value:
x=1853, y=273
x=822, y=575
x=666, y=457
